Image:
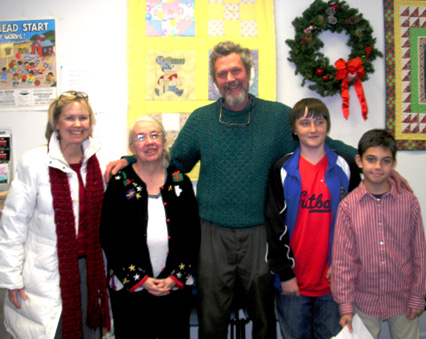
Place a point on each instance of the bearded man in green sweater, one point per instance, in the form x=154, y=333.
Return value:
x=237, y=138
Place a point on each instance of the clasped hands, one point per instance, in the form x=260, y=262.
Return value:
x=159, y=287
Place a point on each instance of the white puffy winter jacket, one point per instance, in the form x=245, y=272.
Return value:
x=28, y=256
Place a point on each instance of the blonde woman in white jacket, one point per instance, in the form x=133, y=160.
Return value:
x=50, y=256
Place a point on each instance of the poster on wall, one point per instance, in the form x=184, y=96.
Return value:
x=27, y=64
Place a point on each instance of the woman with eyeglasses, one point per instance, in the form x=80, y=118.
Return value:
x=150, y=233
x=51, y=261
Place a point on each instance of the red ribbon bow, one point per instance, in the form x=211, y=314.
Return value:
x=348, y=72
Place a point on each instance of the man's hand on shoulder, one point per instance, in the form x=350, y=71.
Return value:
x=113, y=167
x=399, y=181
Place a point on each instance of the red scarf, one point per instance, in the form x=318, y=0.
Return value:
x=97, y=307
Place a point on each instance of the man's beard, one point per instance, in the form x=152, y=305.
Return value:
x=233, y=101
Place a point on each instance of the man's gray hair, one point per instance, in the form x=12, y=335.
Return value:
x=225, y=48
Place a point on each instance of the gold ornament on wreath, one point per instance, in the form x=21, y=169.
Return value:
x=324, y=78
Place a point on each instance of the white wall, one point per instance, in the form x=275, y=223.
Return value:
x=98, y=28
x=90, y=36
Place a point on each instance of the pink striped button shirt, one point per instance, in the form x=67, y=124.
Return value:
x=379, y=254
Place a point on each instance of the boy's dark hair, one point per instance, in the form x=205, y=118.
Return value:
x=316, y=109
x=375, y=138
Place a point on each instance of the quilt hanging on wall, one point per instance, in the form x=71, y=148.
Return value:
x=405, y=38
x=169, y=43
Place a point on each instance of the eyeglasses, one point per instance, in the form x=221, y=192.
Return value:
x=140, y=138
x=77, y=94
x=234, y=123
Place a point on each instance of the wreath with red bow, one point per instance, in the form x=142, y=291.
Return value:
x=326, y=79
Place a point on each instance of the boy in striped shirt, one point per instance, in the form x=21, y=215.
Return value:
x=379, y=252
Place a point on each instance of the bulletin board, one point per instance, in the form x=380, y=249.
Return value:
x=168, y=53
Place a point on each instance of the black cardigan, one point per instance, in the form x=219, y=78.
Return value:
x=124, y=222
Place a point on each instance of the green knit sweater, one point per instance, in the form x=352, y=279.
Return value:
x=235, y=160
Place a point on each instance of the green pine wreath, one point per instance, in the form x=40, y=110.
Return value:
x=335, y=16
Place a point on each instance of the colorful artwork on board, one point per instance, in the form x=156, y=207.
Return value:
x=169, y=44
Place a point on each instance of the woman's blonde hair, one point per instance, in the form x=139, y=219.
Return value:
x=60, y=103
